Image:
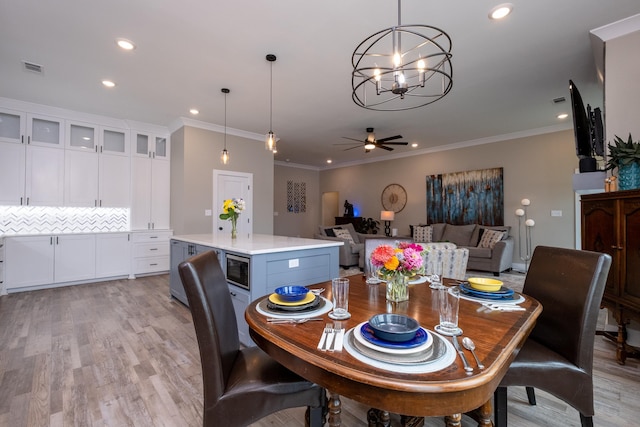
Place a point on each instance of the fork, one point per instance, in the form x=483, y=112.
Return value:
x=325, y=341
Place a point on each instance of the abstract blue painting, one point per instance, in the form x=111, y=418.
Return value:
x=471, y=197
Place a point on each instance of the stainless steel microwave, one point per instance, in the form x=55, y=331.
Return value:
x=238, y=270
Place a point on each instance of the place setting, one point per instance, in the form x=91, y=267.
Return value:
x=396, y=342
x=491, y=293
x=294, y=304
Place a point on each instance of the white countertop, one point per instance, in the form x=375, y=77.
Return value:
x=257, y=243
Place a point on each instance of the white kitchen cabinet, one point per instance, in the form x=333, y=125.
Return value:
x=31, y=159
x=151, y=252
x=97, y=166
x=29, y=261
x=113, y=254
x=75, y=257
x=150, y=183
x=49, y=259
x=12, y=166
x=44, y=176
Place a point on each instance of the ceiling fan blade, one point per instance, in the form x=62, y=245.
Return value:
x=393, y=143
x=348, y=143
x=390, y=138
x=383, y=147
x=353, y=139
x=351, y=148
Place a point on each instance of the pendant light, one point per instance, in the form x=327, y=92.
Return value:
x=224, y=156
x=270, y=142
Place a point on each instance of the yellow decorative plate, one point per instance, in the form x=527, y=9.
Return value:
x=274, y=298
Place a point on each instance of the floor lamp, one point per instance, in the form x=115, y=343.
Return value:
x=521, y=213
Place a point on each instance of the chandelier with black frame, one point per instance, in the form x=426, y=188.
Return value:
x=402, y=67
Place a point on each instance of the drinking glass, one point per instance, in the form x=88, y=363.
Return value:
x=340, y=295
x=449, y=299
x=436, y=275
x=373, y=278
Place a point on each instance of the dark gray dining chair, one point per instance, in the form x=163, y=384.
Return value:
x=241, y=385
x=557, y=357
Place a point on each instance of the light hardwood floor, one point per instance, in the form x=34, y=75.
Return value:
x=122, y=353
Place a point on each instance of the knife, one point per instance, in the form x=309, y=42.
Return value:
x=456, y=345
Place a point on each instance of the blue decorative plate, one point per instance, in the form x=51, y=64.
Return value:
x=419, y=339
x=291, y=293
x=503, y=293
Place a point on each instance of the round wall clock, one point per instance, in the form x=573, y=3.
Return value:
x=394, y=197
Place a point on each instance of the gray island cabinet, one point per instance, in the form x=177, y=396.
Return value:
x=261, y=263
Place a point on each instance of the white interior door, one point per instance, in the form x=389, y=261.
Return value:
x=232, y=185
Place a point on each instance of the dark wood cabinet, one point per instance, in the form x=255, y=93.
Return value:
x=611, y=224
x=355, y=220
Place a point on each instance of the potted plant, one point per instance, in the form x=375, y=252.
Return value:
x=368, y=226
x=625, y=156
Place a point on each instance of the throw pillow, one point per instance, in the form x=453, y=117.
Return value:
x=344, y=234
x=490, y=238
x=330, y=231
x=422, y=234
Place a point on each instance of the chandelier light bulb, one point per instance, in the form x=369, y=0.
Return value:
x=396, y=59
x=529, y=223
x=421, y=64
x=525, y=202
x=519, y=212
x=224, y=158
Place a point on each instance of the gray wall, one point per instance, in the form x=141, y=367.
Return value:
x=539, y=168
x=195, y=153
x=302, y=224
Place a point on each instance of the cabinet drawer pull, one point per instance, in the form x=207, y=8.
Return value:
x=153, y=249
x=153, y=265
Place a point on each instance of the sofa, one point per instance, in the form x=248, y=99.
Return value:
x=350, y=253
x=490, y=247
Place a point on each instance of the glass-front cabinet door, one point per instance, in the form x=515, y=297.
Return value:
x=45, y=131
x=143, y=144
x=12, y=125
x=150, y=145
x=161, y=148
x=114, y=141
x=81, y=136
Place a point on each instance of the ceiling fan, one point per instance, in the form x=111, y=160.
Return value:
x=370, y=142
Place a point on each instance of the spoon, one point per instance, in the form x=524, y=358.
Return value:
x=469, y=345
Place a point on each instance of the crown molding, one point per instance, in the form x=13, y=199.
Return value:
x=185, y=121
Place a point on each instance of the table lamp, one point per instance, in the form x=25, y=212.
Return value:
x=387, y=217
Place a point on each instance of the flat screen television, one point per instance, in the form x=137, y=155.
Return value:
x=587, y=129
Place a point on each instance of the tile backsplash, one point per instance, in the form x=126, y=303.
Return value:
x=46, y=219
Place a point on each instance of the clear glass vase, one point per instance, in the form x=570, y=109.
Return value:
x=397, y=288
x=234, y=231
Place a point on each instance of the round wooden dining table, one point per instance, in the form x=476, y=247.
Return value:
x=448, y=392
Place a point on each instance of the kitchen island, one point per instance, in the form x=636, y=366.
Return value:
x=257, y=265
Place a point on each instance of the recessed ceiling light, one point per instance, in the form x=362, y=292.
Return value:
x=108, y=83
x=329, y=161
x=414, y=145
x=125, y=44
x=563, y=116
x=194, y=111
x=501, y=11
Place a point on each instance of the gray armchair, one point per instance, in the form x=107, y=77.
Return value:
x=353, y=248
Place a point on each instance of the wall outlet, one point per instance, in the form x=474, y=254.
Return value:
x=293, y=263
x=556, y=213
x=208, y=212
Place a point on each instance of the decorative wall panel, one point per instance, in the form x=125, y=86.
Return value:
x=471, y=197
x=296, y=197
